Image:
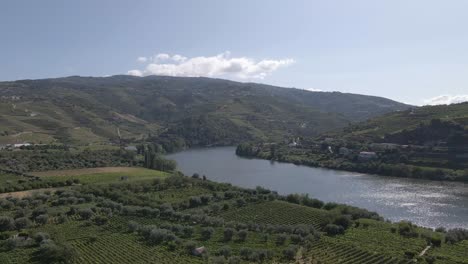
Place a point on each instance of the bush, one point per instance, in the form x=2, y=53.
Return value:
x=100, y=220
x=157, y=236
x=234, y=260
x=290, y=252
x=344, y=221
x=281, y=239
x=228, y=234
x=85, y=213
x=187, y=231
x=332, y=229
x=407, y=229
x=6, y=223
x=189, y=247
x=455, y=235
x=242, y=235
x=49, y=252
x=224, y=251
x=22, y=222
x=207, y=232
x=40, y=236
x=42, y=219
x=218, y=260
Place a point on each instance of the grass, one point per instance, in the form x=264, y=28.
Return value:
x=102, y=175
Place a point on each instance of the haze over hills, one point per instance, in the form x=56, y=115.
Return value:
x=202, y=111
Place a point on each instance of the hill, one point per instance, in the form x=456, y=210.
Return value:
x=191, y=111
x=420, y=126
x=429, y=142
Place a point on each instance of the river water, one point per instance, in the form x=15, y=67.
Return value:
x=426, y=203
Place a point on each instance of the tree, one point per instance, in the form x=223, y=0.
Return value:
x=225, y=251
x=86, y=213
x=42, y=219
x=50, y=252
x=332, y=229
x=6, y=223
x=207, y=232
x=242, y=235
x=290, y=252
x=22, y=222
x=228, y=234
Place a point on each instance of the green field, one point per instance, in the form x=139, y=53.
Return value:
x=101, y=175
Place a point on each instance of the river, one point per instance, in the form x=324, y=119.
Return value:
x=423, y=202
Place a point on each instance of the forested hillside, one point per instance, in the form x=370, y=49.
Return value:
x=191, y=111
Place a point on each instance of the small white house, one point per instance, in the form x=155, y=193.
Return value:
x=21, y=145
x=131, y=148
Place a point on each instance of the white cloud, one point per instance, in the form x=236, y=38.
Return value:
x=313, y=90
x=219, y=65
x=161, y=57
x=135, y=73
x=142, y=59
x=447, y=99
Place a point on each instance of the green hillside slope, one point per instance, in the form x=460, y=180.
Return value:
x=201, y=111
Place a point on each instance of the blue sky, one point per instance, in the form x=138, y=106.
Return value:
x=410, y=51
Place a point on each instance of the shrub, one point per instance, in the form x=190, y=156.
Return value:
x=245, y=253
x=42, y=219
x=157, y=236
x=40, y=236
x=187, y=231
x=290, y=252
x=6, y=223
x=228, y=234
x=85, y=213
x=332, y=229
x=242, y=235
x=281, y=239
x=207, y=232
x=407, y=229
x=224, y=251
x=100, y=220
x=218, y=260
x=234, y=260
x=50, y=252
x=344, y=221
x=455, y=235
x=22, y=222
x=189, y=247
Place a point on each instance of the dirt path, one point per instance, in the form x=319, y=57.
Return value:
x=76, y=172
x=424, y=251
x=22, y=194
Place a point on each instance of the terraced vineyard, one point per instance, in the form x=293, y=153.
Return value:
x=379, y=238
x=278, y=213
x=163, y=221
x=332, y=251
x=451, y=254
x=126, y=249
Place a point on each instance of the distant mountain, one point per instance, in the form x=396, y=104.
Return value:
x=198, y=111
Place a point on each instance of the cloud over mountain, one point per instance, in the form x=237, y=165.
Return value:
x=214, y=66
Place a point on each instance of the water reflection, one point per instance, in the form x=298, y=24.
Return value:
x=426, y=203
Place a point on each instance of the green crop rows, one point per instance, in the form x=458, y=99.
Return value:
x=278, y=212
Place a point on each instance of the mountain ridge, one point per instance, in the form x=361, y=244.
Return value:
x=85, y=110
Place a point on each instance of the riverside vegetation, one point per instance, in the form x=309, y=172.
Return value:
x=139, y=215
x=428, y=143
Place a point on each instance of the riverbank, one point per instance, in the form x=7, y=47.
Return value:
x=424, y=202
x=335, y=161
